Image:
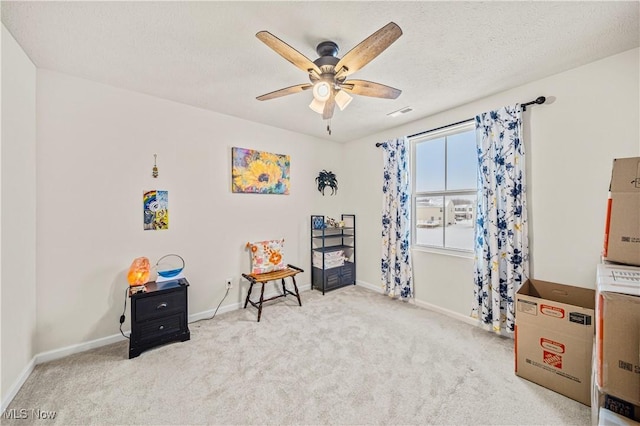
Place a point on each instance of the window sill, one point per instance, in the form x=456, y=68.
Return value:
x=442, y=251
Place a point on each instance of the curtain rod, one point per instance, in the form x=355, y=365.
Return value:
x=538, y=101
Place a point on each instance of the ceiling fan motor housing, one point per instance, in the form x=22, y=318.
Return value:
x=327, y=61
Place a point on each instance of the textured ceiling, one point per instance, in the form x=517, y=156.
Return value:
x=206, y=54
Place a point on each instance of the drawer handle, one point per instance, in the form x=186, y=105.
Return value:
x=161, y=306
x=161, y=327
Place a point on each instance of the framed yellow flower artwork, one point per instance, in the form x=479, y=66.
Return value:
x=259, y=172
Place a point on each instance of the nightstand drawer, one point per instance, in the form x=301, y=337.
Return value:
x=155, y=329
x=160, y=305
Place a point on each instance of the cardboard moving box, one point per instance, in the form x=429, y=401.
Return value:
x=622, y=229
x=618, y=345
x=554, y=337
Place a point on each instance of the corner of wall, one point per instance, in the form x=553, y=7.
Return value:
x=17, y=216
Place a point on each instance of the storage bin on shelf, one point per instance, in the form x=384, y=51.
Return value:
x=332, y=259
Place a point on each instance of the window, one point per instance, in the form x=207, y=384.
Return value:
x=445, y=188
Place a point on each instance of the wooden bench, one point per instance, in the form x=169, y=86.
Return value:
x=264, y=278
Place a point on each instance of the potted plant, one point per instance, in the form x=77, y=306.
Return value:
x=327, y=179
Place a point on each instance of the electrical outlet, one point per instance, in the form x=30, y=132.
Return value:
x=229, y=282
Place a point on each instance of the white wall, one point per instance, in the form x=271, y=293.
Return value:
x=591, y=117
x=94, y=157
x=18, y=213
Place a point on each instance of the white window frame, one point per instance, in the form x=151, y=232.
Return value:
x=414, y=141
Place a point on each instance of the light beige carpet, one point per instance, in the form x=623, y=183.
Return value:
x=352, y=356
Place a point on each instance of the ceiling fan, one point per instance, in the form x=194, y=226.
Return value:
x=328, y=74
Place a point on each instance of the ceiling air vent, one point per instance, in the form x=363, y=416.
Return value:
x=400, y=111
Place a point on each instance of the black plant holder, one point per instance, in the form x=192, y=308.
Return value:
x=327, y=179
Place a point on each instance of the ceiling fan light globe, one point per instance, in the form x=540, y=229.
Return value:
x=343, y=99
x=321, y=91
x=317, y=106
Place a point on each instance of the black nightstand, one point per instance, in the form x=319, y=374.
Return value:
x=158, y=315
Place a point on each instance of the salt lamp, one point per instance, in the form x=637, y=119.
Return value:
x=139, y=271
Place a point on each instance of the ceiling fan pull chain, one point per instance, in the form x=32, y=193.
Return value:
x=329, y=127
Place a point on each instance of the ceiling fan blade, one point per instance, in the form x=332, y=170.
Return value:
x=369, y=88
x=288, y=52
x=368, y=50
x=329, y=106
x=286, y=91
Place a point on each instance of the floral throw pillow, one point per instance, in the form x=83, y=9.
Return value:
x=266, y=256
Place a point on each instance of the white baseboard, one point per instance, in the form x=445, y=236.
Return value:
x=376, y=288
x=240, y=305
x=426, y=305
x=77, y=348
x=448, y=312
x=18, y=384
x=85, y=346
x=209, y=313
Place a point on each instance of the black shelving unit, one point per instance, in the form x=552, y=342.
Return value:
x=333, y=253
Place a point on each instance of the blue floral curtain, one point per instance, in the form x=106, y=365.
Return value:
x=501, y=240
x=397, y=278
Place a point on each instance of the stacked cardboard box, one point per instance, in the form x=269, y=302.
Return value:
x=616, y=377
x=617, y=366
x=622, y=228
